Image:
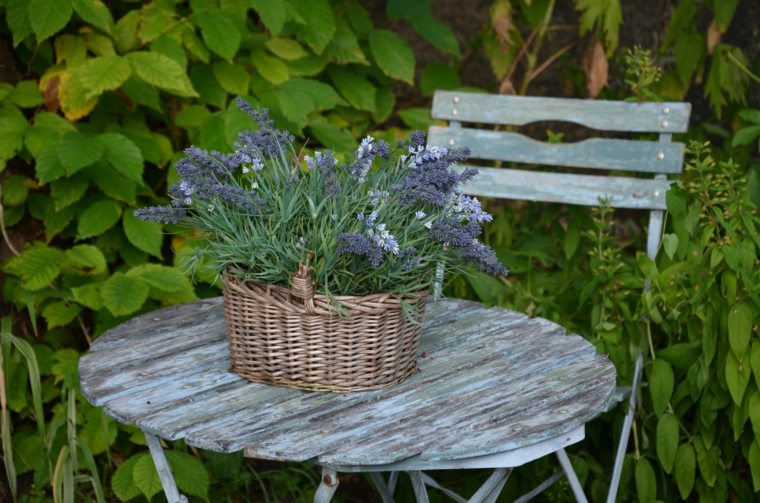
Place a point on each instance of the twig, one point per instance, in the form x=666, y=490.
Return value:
x=85, y=331
x=551, y=59
x=743, y=67
x=520, y=54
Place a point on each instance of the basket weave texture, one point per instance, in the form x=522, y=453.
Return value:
x=294, y=337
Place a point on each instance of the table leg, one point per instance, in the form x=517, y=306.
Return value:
x=327, y=486
x=385, y=491
x=575, y=484
x=418, y=485
x=164, y=470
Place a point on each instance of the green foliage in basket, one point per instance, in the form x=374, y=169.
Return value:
x=379, y=222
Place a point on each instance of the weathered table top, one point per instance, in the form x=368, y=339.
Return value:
x=490, y=381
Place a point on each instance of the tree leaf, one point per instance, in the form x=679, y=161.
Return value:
x=754, y=464
x=357, y=90
x=103, y=74
x=646, y=483
x=161, y=71
x=333, y=136
x=740, y=328
x=272, y=13
x=192, y=477
x=737, y=377
x=667, y=441
x=145, y=236
x=94, y=12
x=47, y=17
x=13, y=124
x=438, y=76
x=233, y=78
x=323, y=96
x=15, y=190
x=344, y=47
x=67, y=191
x=285, y=48
x=437, y=33
x=113, y=184
x=393, y=55
x=98, y=218
x=161, y=277
x=416, y=118
x=745, y=135
x=219, y=33
x=123, y=295
x=78, y=150
x=123, y=155
x=99, y=431
x=122, y=481
x=272, y=69
x=17, y=17
x=661, y=385
x=685, y=468
x=38, y=266
x=125, y=31
x=320, y=29
x=87, y=258
x=689, y=51
x=59, y=314
x=26, y=94
x=89, y=295
x=670, y=244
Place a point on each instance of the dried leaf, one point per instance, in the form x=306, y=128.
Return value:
x=506, y=86
x=502, y=24
x=713, y=37
x=596, y=66
x=51, y=93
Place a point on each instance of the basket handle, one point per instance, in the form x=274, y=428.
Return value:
x=302, y=287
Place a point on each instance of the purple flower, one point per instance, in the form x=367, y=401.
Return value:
x=267, y=141
x=433, y=181
x=357, y=244
x=451, y=231
x=468, y=208
x=365, y=154
x=483, y=257
x=324, y=163
x=163, y=214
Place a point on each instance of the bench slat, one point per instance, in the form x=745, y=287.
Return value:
x=670, y=117
x=567, y=188
x=597, y=153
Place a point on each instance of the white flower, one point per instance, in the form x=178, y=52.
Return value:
x=428, y=225
x=420, y=215
x=254, y=185
x=246, y=169
x=211, y=208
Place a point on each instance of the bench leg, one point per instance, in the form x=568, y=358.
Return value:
x=164, y=470
x=327, y=486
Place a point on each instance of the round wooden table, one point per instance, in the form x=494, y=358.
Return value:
x=494, y=388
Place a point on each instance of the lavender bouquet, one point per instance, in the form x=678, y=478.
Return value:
x=380, y=222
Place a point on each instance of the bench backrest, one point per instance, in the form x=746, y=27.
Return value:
x=653, y=160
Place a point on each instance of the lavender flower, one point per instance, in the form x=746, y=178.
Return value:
x=468, y=208
x=163, y=214
x=483, y=257
x=451, y=231
x=365, y=155
x=357, y=244
x=383, y=238
x=267, y=141
x=325, y=163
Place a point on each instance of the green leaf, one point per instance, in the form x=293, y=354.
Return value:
x=98, y=218
x=754, y=412
x=323, y=96
x=357, y=90
x=385, y=102
x=437, y=33
x=438, y=76
x=233, y=78
x=754, y=464
x=15, y=190
x=308, y=66
x=724, y=13
x=59, y=314
x=13, y=125
x=17, y=17
x=219, y=33
x=740, y=328
x=416, y=118
x=393, y=55
x=123, y=295
x=685, y=468
x=737, y=377
x=689, y=51
x=670, y=244
x=333, y=136
x=122, y=481
x=285, y=48
x=145, y=477
x=165, y=278
x=38, y=266
x=167, y=46
x=750, y=115
x=47, y=17
x=667, y=441
x=156, y=19
x=344, y=47
x=272, y=69
x=125, y=31
x=87, y=258
x=67, y=191
x=89, y=295
x=145, y=236
x=755, y=361
x=103, y=74
x=192, y=477
x=661, y=385
x=123, y=155
x=272, y=13
x=26, y=94
x=99, y=431
x=646, y=483
x=94, y=12
x=161, y=71
x=113, y=184
x=403, y=9
x=78, y=150
x=192, y=116
x=320, y=29
x=745, y=135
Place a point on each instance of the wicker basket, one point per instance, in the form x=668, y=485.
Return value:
x=292, y=337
